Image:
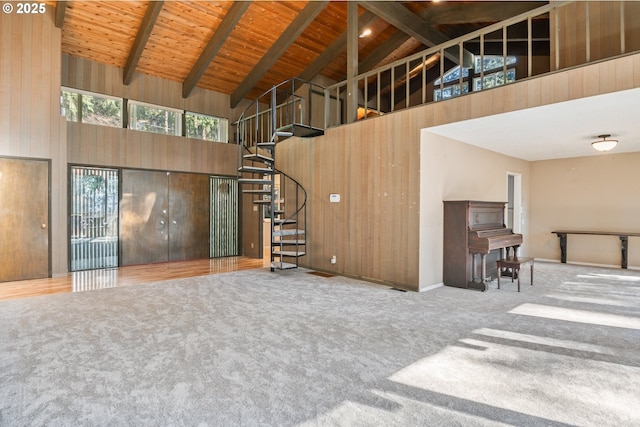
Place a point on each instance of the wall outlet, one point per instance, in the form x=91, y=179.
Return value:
x=333, y=259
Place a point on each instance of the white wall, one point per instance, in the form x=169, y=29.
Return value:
x=452, y=170
x=586, y=193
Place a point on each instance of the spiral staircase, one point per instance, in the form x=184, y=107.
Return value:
x=280, y=113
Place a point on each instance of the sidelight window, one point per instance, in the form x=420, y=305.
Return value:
x=94, y=218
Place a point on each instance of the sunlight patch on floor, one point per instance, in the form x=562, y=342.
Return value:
x=521, y=376
x=587, y=300
x=552, y=342
x=579, y=316
x=619, y=277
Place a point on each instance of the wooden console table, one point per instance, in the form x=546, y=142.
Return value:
x=624, y=241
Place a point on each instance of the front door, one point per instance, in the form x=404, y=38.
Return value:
x=144, y=217
x=188, y=216
x=164, y=216
x=24, y=219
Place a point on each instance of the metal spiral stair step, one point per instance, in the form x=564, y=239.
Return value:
x=282, y=265
x=284, y=221
x=254, y=169
x=288, y=253
x=260, y=191
x=287, y=232
x=258, y=158
x=289, y=243
x=255, y=181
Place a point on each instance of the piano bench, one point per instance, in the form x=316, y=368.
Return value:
x=514, y=263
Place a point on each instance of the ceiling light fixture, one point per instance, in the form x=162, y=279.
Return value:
x=365, y=33
x=605, y=144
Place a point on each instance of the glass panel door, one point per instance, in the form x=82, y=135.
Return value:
x=94, y=218
x=224, y=217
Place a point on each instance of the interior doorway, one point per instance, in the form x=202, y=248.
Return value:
x=513, y=215
x=24, y=218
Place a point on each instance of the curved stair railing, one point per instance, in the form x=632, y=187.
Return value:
x=279, y=113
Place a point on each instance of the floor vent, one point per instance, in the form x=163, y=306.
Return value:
x=321, y=274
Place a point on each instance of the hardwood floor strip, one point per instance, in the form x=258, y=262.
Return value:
x=124, y=276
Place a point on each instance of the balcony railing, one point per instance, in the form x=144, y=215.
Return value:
x=530, y=44
x=293, y=104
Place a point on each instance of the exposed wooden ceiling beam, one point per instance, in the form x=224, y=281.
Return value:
x=61, y=9
x=297, y=26
x=213, y=46
x=471, y=12
x=148, y=21
x=407, y=21
x=336, y=48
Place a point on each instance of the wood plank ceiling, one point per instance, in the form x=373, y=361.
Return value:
x=244, y=48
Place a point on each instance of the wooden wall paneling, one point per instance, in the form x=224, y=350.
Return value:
x=358, y=202
x=392, y=261
x=405, y=168
x=623, y=73
x=636, y=68
x=102, y=78
x=251, y=228
x=147, y=147
x=413, y=154
x=377, y=248
x=604, y=29
x=6, y=86
x=607, y=81
x=632, y=26
x=30, y=89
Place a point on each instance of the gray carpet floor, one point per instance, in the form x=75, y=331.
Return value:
x=256, y=348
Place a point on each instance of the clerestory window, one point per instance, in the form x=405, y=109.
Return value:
x=87, y=107
x=154, y=118
x=209, y=128
x=492, y=68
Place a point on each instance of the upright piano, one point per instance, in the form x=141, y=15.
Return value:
x=475, y=236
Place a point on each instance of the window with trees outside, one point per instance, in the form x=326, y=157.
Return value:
x=87, y=107
x=154, y=118
x=205, y=127
x=491, y=65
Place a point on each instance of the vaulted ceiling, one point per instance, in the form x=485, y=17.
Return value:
x=244, y=48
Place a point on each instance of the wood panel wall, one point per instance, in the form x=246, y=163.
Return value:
x=91, y=76
x=606, y=21
x=107, y=146
x=30, y=121
x=376, y=231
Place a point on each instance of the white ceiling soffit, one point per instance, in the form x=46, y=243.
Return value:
x=560, y=130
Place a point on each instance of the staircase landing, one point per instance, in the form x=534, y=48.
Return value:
x=303, y=131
